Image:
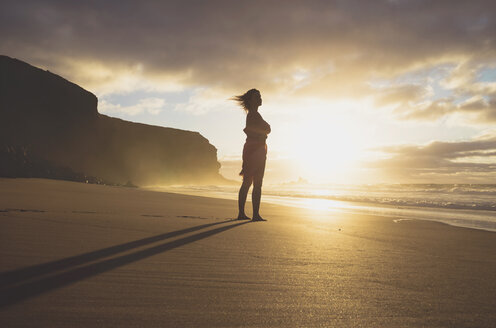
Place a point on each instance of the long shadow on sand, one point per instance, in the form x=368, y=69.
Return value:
x=15, y=294
x=16, y=276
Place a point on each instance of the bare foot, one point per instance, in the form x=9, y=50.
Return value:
x=243, y=217
x=258, y=218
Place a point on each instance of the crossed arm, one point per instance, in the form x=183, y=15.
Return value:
x=256, y=124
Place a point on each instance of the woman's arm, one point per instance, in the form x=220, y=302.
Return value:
x=255, y=123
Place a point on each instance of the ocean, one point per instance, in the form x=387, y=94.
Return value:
x=463, y=205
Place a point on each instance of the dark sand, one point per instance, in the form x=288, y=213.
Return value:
x=77, y=255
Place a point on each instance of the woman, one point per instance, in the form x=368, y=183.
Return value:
x=254, y=153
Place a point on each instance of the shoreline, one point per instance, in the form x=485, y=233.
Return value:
x=452, y=216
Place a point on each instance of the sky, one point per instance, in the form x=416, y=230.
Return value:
x=379, y=91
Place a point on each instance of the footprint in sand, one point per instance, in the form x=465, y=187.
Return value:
x=21, y=210
x=198, y=217
x=183, y=217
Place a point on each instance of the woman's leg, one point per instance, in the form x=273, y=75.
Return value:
x=243, y=192
x=256, y=195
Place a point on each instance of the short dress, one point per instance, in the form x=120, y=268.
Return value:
x=255, y=148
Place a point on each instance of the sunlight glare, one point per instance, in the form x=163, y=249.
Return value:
x=327, y=148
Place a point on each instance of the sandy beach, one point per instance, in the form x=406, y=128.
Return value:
x=81, y=255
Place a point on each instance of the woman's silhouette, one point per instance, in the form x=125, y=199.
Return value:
x=254, y=153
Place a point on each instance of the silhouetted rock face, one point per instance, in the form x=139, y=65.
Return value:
x=58, y=122
x=19, y=161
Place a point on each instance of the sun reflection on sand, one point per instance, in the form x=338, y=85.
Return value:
x=309, y=203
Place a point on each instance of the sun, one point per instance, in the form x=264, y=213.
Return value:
x=327, y=150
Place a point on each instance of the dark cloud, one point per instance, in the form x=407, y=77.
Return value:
x=236, y=45
x=465, y=161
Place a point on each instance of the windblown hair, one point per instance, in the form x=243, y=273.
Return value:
x=244, y=99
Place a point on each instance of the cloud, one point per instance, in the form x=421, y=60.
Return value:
x=326, y=49
x=484, y=107
x=403, y=94
x=151, y=106
x=465, y=94
x=477, y=109
x=427, y=110
x=462, y=161
x=205, y=100
x=236, y=44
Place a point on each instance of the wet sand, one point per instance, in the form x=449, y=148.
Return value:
x=78, y=255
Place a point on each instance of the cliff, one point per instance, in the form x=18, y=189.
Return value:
x=50, y=120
